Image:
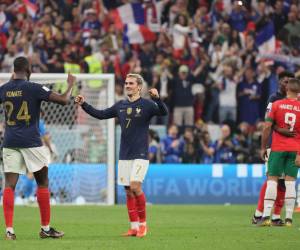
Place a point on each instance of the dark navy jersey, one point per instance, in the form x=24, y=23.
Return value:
x=134, y=118
x=21, y=102
x=273, y=98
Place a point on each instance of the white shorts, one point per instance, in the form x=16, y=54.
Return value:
x=132, y=170
x=16, y=160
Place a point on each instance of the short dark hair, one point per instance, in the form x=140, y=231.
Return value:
x=286, y=74
x=294, y=85
x=21, y=64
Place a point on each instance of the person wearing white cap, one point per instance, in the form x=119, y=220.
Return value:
x=183, y=98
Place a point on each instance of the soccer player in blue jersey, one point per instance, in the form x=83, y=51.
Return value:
x=22, y=145
x=134, y=115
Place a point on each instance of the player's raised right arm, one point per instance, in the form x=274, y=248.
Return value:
x=99, y=114
x=64, y=98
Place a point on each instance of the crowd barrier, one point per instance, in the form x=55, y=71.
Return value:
x=164, y=184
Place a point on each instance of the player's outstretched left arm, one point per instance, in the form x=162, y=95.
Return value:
x=64, y=98
x=99, y=114
x=162, y=108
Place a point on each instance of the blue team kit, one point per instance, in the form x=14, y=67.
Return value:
x=22, y=100
x=134, y=118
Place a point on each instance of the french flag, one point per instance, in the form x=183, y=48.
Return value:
x=265, y=38
x=128, y=13
x=137, y=34
x=31, y=6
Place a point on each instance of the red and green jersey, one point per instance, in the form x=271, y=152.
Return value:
x=285, y=113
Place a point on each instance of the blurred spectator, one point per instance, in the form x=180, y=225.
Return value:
x=91, y=64
x=207, y=148
x=293, y=29
x=242, y=148
x=119, y=92
x=180, y=35
x=90, y=25
x=227, y=85
x=255, y=144
x=238, y=16
x=147, y=60
x=248, y=92
x=7, y=63
x=224, y=147
x=279, y=16
x=191, y=149
x=172, y=146
x=198, y=92
x=160, y=80
x=183, y=98
x=154, y=147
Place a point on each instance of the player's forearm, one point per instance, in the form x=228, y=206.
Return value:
x=61, y=99
x=265, y=136
x=66, y=96
x=163, y=110
x=99, y=114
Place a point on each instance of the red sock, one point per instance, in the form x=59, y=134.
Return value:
x=279, y=202
x=260, y=204
x=141, y=206
x=43, y=199
x=132, y=209
x=8, y=206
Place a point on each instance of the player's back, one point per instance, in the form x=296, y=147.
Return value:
x=286, y=114
x=21, y=100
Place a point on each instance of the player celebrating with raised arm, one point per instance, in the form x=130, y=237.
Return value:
x=134, y=116
x=22, y=146
x=285, y=114
x=279, y=202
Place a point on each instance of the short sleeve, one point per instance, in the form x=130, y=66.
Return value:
x=42, y=92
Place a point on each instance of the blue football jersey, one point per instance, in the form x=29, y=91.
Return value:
x=134, y=118
x=21, y=101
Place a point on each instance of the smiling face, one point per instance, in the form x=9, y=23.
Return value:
x=132, y=87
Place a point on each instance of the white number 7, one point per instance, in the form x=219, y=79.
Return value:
x=290, y=119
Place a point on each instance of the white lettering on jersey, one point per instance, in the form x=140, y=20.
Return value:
x=269, y=107
x=289, y=107
x=46, y=89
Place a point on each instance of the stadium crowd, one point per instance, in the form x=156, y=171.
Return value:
x=205, y=59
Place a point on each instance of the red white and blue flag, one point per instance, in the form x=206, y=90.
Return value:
x=31, y=7
x=137, y=34
x=265, y=38
x=128, y=13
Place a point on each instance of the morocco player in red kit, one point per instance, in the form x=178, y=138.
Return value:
x=285, y=114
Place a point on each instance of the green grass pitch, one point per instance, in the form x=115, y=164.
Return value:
x=170, y=227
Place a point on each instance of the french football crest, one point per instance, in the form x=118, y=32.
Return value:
x=129, y=111
x=138, y=110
